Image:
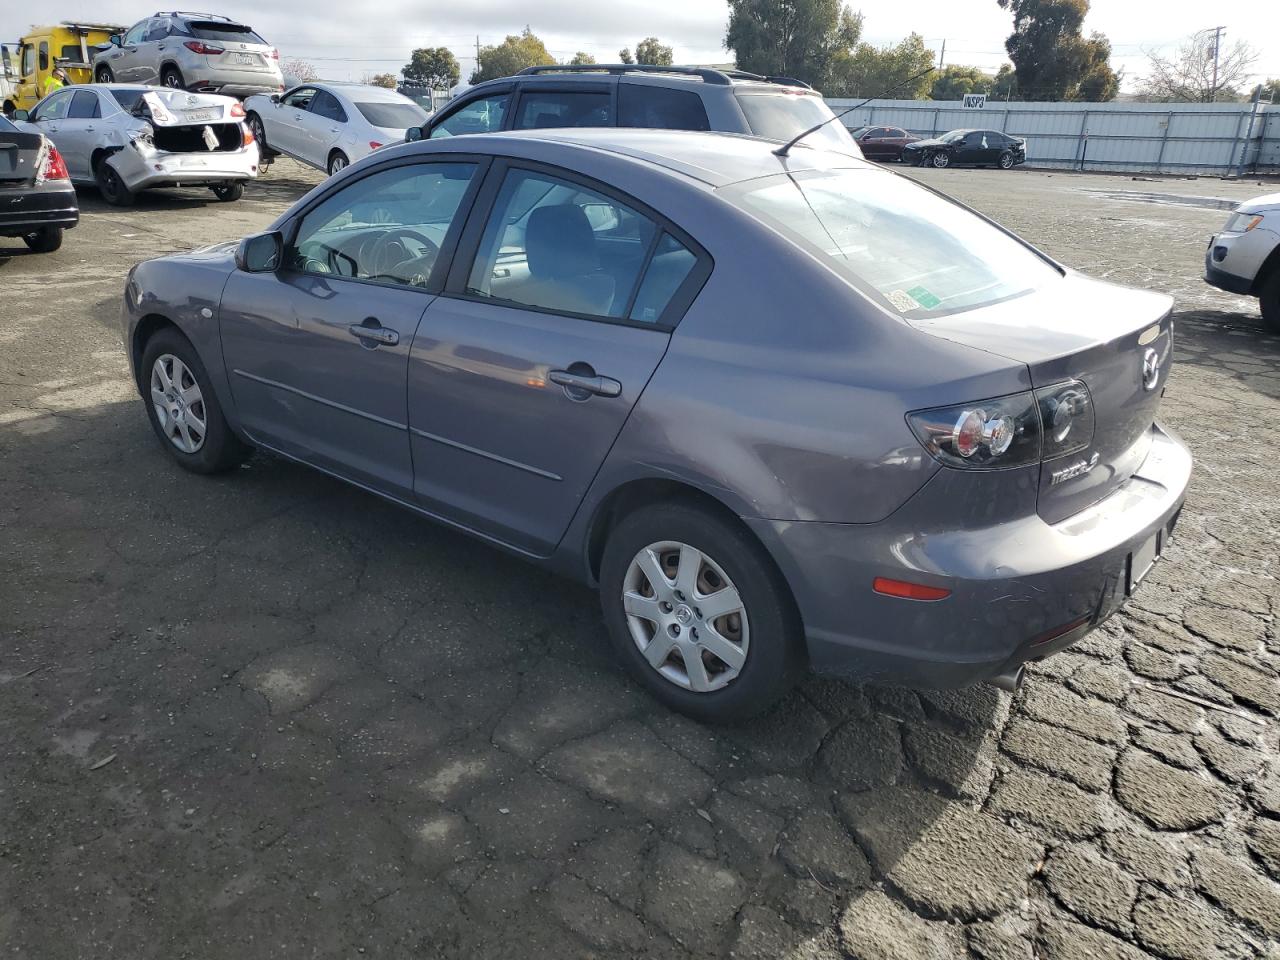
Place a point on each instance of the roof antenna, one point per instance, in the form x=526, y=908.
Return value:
x=785, y=149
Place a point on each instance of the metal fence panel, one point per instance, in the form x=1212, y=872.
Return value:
x=1225, y=139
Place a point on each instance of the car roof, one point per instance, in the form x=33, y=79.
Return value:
x=716, y=159
x=369, y=92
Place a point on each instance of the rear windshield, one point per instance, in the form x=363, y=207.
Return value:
x=395, y=116
x=780, y=116
x=919, y=253
x=128, y=99
x=226, y=32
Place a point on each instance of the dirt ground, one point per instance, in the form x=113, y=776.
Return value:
x=266, y=715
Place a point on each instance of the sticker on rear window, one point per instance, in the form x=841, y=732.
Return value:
x=900, y=300
x=923, y=297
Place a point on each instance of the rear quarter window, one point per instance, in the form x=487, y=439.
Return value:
x=661, y=108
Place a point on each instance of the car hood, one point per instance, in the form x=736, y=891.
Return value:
x=933, y=142
x=1258, y=204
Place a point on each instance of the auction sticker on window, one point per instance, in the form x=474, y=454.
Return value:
x=923, y=297
x=901, y=301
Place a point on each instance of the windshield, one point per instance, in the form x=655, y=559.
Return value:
x=919, y=253
x=6, y=126
x=395, y=116
x=780, y=116
x=952, y=136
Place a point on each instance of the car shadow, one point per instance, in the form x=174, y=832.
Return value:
x=341, y=712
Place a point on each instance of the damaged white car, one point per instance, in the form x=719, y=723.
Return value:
x=128, y=138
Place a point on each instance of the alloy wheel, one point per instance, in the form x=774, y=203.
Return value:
x=1006, y=161
x=941, y=160
x=685, y=616
x=178, y=403
x=337, y=163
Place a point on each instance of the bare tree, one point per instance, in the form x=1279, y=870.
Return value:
x=300, y=71
x=1189, y=76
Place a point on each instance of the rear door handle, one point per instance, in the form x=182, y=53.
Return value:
x=371, y=329
x=578, y=386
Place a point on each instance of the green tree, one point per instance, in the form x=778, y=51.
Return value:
x=1051, y=57
x=793, y=38
x=511, y=56
x=433, y=67
x=387, y=80
x=955, y=81
x=651, y=51
x=581, y=59
x=885, y=71
x=624, y=56
x=1005, y=86
x=1267, y=90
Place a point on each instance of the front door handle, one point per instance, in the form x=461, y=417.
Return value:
x=580, y=386
x=371, y=330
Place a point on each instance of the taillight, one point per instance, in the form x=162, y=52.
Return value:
x=246, y=136
x=1066, y=411
x=54, y=167
x=275, y=55
x=374, y=144
x=196, y=46
x=237, y=110
x=1003, y=432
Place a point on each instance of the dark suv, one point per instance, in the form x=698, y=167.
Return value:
x=621, y=95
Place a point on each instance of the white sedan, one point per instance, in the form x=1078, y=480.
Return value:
x=330, y=125
x=127, y=138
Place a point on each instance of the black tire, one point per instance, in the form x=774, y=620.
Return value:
x=941, y=160
x=775, y=649
x=44, y=240
x=228, y=192
x=221, y=449
x=111, y=187
x=171, y=77
x=1269, y=301
x=1006, y=160
x=337, y=162
x=104, y=75
x=260, y=135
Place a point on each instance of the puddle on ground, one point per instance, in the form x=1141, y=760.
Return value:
x=1171, y=199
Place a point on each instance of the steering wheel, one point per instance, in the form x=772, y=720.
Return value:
x=389, y=251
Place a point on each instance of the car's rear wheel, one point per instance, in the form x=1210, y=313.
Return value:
x=1006, y=160
x=44, y=240
x=112, y=187
x=171, y=76
x=941, y=159
x=228, y=192
x=104, y=75
x=699, y=613
x=183, y=408
x=1269, y=301
x=337, y=161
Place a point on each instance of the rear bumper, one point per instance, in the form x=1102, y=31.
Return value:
x=161, y=169
x=239, y=83
x=1021, y=589
x=25, y=209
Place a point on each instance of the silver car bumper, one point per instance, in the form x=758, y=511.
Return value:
x=157, y=168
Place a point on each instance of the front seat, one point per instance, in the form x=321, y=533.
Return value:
x=564, y=265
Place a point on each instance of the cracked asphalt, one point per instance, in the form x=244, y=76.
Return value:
x=266, y=715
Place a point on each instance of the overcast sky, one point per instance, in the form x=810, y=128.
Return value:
x=345, y=40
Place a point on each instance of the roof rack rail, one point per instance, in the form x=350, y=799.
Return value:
x=191, y=13
x=615, y=69
x=784, y=81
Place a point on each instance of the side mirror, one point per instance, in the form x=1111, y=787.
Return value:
x=413, y=135
x=20, y=115
x=261, y=253
x=116, y=40
x=275, y=98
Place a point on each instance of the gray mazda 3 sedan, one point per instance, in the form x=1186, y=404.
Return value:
x=785, y=411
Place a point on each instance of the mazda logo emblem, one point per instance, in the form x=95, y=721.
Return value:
x=1150, y=369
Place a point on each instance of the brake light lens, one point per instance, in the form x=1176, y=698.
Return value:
x=246, y=137
x=906, y=590
x=237, y=109
x=275, y=55
x=1066, y=412
x=197, y=46
x=54, y=167
x=997, y=433
x=374, y=144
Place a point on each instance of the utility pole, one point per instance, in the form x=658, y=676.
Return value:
x=1217, y=45
x=942, y=57
x=477, y=52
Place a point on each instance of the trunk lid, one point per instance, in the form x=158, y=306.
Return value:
x=1117, y=341
x=20, y=156
x=177, y=108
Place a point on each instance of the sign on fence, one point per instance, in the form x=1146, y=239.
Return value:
x=975, y=101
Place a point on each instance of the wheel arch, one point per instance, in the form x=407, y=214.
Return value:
x=146, y=328
x=1270, y=267
x=100, y=154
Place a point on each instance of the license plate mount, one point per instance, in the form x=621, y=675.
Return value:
x=1143, y=559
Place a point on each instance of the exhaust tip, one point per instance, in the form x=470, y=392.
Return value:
x=1010, y=680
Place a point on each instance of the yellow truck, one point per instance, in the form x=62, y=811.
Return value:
x=68, y=45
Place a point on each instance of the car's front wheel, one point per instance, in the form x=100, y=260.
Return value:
x=183, y=408
x=699, y=613
x=1006, y=160
x=172, y=77
x=260, y=135
x=941, y=159
x=1269, y=301
x=44, y=240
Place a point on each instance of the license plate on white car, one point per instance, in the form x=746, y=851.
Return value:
x=1143, y=559
x=248, y=58
x=203, y=113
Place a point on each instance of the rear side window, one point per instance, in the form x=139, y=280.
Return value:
x=158, y=30
x=326, y=105
x=539, y=110
x=781, y=116
x=84, y=106
x=671, y=264
x=483, y=115
x=128, y=99
x=226, y=32
x=661, y=108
